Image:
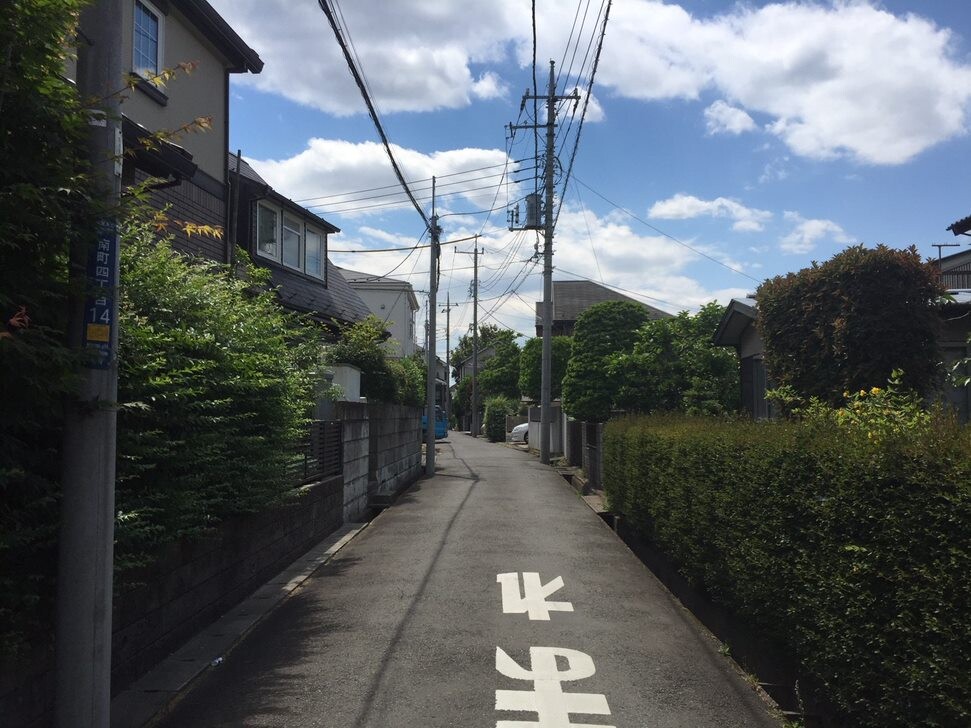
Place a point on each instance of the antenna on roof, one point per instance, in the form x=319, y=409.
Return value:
x=944, y=245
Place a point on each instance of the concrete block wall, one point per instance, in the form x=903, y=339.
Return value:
x=356, y=431
x=395, y=446
x=192, y=583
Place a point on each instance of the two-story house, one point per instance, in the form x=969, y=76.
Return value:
x=391, y=300
x=291, y=242
x=189, y=112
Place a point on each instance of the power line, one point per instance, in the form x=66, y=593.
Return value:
x=370, y=106
x=403, y=249
x=666, y=235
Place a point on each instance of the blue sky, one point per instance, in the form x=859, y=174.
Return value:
x=764, y=135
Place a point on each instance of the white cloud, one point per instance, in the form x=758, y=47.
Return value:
x=725, y=119
x=686, y=207
x=845, y=78
x=325, y=175
x=775, y=171
x=840, y=79
x=806, y=233
x=416, y=55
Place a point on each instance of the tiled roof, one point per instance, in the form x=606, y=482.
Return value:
x=571, y=298
x=337, y=301
x=245, y=170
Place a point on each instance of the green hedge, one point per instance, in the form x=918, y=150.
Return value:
x=496, y=409
x=849, y=547
x=216, y=382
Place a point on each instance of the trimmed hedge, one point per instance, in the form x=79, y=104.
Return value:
x=496, y=409
x=847, y=548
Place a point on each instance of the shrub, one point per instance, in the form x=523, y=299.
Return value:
x=45, y=202
x=841, y=537
x=496, y=409
x=847, y=323
x=215, y=384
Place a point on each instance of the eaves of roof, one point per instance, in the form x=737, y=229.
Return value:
x=738, y=315
x=211, y=24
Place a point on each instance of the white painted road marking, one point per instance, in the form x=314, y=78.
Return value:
x=532, y=599
x=547, y=699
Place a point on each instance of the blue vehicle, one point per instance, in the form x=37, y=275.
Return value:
x=441, y=423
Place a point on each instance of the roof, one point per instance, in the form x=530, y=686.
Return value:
x=571, y=298
x=337, y=301
x=961, y=226
x=157, y=157
x=247, y=172
x=200, y=13
x=739, y=314
x=955, y=261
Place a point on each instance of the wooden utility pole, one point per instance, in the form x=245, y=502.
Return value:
x=82, y=695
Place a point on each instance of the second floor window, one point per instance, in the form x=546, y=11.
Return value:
x=315, y=254
x=266, y=232
x=147, y=40
x=291, y=242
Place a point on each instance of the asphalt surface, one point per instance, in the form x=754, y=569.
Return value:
x=401, y=629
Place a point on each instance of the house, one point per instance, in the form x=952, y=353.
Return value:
x=393, y=301
x=291, y=242
x=571, y=298
x=189, y=167
x=463, y=367
x=956, y=275
x=737, y=329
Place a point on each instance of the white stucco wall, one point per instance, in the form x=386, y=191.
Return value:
x=393, y=307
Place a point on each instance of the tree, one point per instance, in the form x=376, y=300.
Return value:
x=601, y=331
x=489, y=335
x=44, y=204
x=531, y=367
x=674, y=366
x=848, y=323
x=500, y=375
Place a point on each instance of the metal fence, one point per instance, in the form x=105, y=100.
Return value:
x=320, y=455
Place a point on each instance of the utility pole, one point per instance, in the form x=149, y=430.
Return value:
x=82, y=669
x=549, y=214
x=474, y=420
x=475, y=340
x=430, y=355
x=448, y=354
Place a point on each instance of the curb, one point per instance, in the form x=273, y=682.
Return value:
x=157, y=692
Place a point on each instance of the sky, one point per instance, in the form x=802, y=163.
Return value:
x=722, y=143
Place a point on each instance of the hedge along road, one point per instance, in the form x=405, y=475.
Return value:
x=489, y=595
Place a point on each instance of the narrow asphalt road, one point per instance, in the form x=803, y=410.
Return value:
x=448, y=612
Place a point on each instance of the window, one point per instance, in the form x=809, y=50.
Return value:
x=291, y=242
x=147, y=40
x=315, y=254
x=266, y=232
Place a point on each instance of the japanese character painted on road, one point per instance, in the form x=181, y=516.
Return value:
x=531, y=599
x=552, y=706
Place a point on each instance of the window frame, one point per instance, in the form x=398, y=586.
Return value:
x=260, y=208
x=160, y=41
x=321, y=274
x=299, y=232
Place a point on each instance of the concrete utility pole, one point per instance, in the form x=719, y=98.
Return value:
x=431, y=356
x=549, y=215
x=448, y=354
x=475, y=339
x=474, y=417
x=82, y=694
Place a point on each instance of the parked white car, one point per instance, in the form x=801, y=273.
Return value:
x=520, y=433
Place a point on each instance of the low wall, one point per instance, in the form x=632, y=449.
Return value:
x=356, y=433
x=395, y=446
x=188, y=586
